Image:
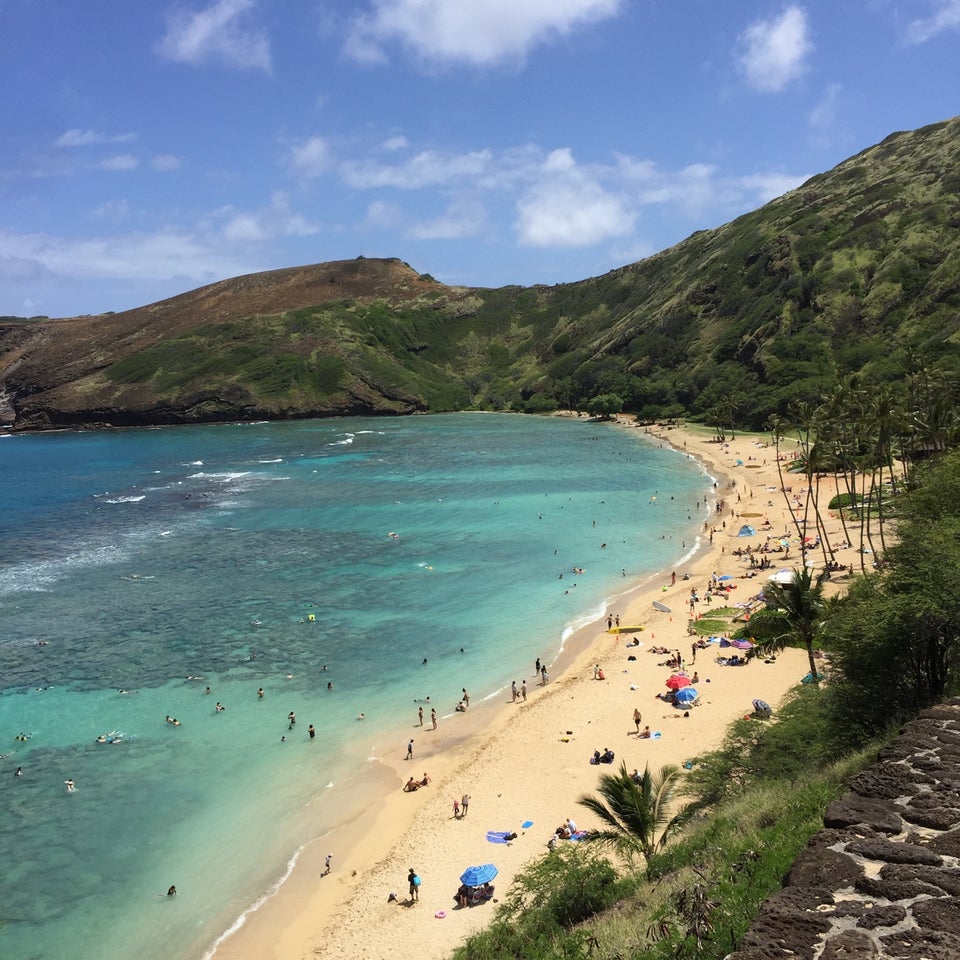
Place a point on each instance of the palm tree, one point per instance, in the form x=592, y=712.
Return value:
x=803, y=606
x=636, y=813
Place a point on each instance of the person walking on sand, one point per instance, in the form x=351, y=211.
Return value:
x=456, y=809
x=465, y=697
x=414, y=881
x=409, y=755
x=636, y=719
x=433, y=718
x=464, y=804
x=326, y=864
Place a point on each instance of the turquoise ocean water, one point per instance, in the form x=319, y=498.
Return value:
x=139, y=567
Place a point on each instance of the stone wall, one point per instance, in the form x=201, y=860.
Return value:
x=882, y=879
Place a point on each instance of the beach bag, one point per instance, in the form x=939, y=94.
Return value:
x=416, y=880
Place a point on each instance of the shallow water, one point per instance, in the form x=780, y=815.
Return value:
x=160, y=562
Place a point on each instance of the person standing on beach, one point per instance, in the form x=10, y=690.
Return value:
x=409, y=755
x=326, y=865
x=456, y=809
x=464, y=804
x=414, y=881
x=466, y=697
x=543, y=675
x=433, y=718
x=636, y=719
x=537, y=668
x=523, y=690
x=513, y=690
x=420, y=715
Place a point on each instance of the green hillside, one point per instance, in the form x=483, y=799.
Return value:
x=855, y=272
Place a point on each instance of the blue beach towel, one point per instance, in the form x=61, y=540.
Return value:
x=498, y=836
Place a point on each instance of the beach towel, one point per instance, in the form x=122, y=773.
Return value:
x=498, y=836
x=579, y=835
x=526, y=825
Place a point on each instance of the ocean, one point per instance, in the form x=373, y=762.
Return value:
x=343, y=567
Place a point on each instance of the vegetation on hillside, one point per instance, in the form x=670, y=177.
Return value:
x=855, y=273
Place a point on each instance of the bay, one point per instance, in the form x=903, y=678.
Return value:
x=344, y=567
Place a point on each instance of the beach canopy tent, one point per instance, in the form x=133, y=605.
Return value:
x=781, y=576
x=677, y=681
x=742, y=644
x=746, y=531
x=686, y=697
x=478, y=876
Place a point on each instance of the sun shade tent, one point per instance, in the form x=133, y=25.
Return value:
x=746, y=531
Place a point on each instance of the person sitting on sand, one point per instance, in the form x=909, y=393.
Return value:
x=695, y=678
x=411, y=785
x=645, y=733
x=425, y=780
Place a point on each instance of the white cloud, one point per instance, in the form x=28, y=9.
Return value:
x=427, y=168
x=275, y=220
x=217, y=33
x=463, y=218
x=764, y=187
x=382, y=215
x=142, y=256
x=946, y=16
x=568, y=207
x=479, y=32
x=85, y=138
x=823, y=114
x=122, y=161
x=311, y=158
x=392, y=144
x=774, y=50
x=164, y=162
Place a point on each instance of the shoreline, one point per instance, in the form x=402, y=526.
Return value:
x=518, y=763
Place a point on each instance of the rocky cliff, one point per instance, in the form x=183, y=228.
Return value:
x=882, y=879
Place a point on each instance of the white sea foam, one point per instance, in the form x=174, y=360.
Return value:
x=255, y=906
x=348, y=439
x=225, y=477
x=142, y=496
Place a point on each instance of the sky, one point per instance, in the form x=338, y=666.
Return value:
x=149, y=148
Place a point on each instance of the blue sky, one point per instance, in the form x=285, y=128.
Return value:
x=152, y=147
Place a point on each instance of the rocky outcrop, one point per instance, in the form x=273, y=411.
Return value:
x=882, y=879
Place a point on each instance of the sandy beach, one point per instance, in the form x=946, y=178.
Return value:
x=529, y=761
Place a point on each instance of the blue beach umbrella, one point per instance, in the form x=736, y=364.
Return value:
x=686, y=696
x=478, y=876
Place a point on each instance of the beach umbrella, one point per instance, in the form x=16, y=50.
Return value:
x=686, y=696
x=726, y=576
x=478, y=876
x=662, y=607
x=742, y=644
x=677, y=681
